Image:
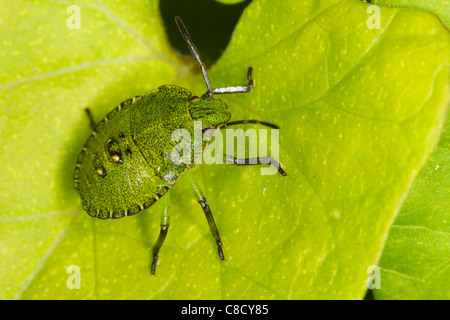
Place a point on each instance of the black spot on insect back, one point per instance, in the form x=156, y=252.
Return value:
x=114, y=151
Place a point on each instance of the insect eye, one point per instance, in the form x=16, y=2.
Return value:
x=194, y=98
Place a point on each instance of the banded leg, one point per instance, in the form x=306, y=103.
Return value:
x=238, y=89
x=264, y=123
x=196, y=54
x=200, y=196
x=91, y=119
x=254, y=161
x=164, y=227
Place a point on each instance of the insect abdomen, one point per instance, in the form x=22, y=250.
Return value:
x=125, y=165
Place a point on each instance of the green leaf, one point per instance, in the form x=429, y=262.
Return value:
x=414, y=263
x=51, y=73
x=360, y=110
x=438, y=7
x=352, y=129
x=415, y=260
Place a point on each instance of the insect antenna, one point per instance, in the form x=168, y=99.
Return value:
x=195, y=53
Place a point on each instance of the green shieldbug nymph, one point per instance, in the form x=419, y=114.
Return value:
x=124, y=166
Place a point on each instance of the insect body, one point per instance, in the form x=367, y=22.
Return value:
x=125, y=165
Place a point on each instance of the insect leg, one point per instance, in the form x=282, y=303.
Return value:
x=196, y=54
x=164, y=226
x=91, y=118
x=238, y=89
x=237, y=122
x=254, y=161
x=209, y=217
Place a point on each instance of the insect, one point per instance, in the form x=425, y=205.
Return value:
x=125, y=165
